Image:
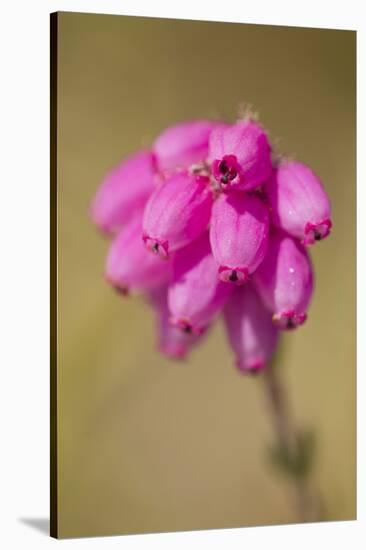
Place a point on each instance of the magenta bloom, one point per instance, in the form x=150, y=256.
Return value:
x=130, y=266
x=196, y=294
x=284, y=281
x=182, y=145
x=207, y=199
x=240, y=155
x=124, y=192
x=250, y=330
x=299, y=203
x=172, y=341
x=177, y=212
x=239, y=235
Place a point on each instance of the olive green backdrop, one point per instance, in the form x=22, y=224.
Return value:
x=146, y=444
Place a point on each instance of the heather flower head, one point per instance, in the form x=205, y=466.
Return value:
x=206, y=225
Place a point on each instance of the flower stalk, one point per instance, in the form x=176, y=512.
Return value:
x=293, y=451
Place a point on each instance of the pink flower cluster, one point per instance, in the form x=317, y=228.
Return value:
x=207, y=222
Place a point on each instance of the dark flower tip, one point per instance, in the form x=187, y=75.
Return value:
x=157, y=247
x=226, y=170
x=289, y=320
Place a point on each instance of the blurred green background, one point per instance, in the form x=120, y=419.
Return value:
x=146, y=444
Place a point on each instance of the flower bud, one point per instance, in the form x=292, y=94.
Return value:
x=177, y=212
x=182, y=145
x=124, y=192
x=284, y=281
x=130, y=266
x=238, y=235
x=240, y=155
x=250, y=330
x=196, y=294
x=299, y=203
x=172, y=341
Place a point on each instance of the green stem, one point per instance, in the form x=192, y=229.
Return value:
x=292, y=449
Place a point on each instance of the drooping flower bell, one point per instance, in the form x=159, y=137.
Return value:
x=171, y=340
x=299, y=203
x=240, y=155
x=239, y=235
x=284, y=281
x=129, y=266
x=177, y=212
x=196, y=295
x=124, y=192
x=183, y=145
x=251, y=333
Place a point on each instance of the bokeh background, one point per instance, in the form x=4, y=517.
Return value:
x=146, y=444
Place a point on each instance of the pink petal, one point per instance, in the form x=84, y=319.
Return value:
x=251, y=332
x=124, y=192
x=130, y=266
x=284, y=281
x=172, y=341
x=299, y=203
x=196, y=295
x=183, y=145
x=177, y=212
x=240, y=155
x=239, y=235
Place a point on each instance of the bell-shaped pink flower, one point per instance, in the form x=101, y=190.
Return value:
x=130, y=266
x=299, y=202
x=250, y=330
x=239, y=235
x=177, y=212
x=124, y=192
x=172, y=341
x=196, y=294
x=240, y=155
x=183, y=145
x=284, y=281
